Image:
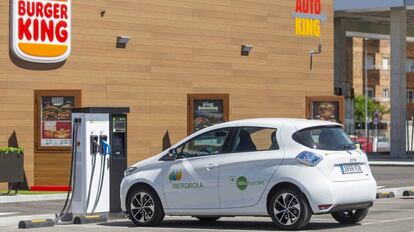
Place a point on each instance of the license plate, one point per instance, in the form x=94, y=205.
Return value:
x=350, y=168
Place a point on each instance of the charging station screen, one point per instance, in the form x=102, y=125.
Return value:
x=119, y=124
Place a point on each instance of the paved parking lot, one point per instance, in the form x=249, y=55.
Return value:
x=393, y=176
x=386, y=215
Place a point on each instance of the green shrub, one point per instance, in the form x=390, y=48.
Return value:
x=7, y=150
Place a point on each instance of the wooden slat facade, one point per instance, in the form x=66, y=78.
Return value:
x=177, y=47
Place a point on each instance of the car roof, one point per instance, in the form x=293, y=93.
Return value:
x=298, y=123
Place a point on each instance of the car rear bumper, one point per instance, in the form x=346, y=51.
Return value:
x=353, y=206
x=325, y=195
x=344, y=195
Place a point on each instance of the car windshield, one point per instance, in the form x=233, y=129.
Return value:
x=324, y=138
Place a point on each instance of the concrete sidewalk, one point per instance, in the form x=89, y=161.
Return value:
x=27, y=198
x=391, y=163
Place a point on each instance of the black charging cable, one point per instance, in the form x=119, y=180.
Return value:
x=94, y=154
x=71, y=187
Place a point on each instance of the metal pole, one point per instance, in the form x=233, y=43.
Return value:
x=412, y=134
x=366, y=87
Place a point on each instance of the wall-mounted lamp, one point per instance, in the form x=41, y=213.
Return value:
x=122, y=41
x=313, y=53
x=245, y=49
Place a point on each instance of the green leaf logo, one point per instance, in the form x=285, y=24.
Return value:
x=241, y=183
x=175, y=176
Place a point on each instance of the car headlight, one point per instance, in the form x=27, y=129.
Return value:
x=129, y=171
x=309, y=158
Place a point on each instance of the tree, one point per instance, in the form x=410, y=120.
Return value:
x=359, y=109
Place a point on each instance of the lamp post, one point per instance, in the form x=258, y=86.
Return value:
x=366, y=88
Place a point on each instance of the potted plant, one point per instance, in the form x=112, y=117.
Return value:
x=11, y=165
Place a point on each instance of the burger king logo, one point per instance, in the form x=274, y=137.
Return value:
x=41, y=30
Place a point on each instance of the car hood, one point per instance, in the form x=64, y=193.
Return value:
x=149, y=162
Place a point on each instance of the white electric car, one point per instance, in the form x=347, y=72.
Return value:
x=287, y=169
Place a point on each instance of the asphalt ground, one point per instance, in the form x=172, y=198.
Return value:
x=386, y=215
x=393, y=176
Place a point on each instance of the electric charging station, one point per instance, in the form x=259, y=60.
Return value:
x=99, y=159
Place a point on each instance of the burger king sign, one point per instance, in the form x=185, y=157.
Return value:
x=41, y=30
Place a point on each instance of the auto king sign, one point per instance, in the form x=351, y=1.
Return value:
x=41, y=30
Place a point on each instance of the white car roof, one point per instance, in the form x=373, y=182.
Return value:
x=297, y=123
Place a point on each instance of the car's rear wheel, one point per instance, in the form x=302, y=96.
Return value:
x=144, y=207
x=208, y=219
x=351, y=216
x=289, y=209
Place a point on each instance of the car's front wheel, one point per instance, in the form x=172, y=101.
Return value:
x=144, y=207
x=350, y=217
x=289, y=209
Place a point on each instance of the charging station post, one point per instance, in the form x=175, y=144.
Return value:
x=99, y=159
x=100, y=162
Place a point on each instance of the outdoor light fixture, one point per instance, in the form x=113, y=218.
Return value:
x=313, y=53
x=122, y=41
x=245, y=49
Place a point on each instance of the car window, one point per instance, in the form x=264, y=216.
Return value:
x=324, y=138
x=250, y=139
x=210, y=143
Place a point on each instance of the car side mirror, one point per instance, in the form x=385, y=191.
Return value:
x=172, y=153
x=357, y=145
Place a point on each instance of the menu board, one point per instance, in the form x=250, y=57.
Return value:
x=326, y=111
x=205, y=110
x=326, y=108
x=55, y=121
x=207, y=113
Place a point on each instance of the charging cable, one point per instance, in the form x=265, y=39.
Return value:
x=106, y=150
x=94, y=143
x=72, y=177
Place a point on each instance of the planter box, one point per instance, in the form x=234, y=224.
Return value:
x=11, y=167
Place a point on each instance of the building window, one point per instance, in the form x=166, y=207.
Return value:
x=205, y=110
x=410, y=65
x=371, y=62
x=386, y=94
x=410, y=95
x=53, y=122
x=371, y=92
x=385, y=63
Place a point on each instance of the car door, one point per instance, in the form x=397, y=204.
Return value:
x=249, y=166
x=191, y=181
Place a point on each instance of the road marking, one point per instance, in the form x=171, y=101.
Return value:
x=9, y=213
x=394, y=202
x=387, y=221
x=174, y=228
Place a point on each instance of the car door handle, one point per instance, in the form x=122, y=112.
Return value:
x=211, y=167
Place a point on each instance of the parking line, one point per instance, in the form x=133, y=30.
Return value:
x=387, y=221
x=175, y=228
x=9, y=213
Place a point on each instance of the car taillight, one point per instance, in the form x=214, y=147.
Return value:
x=324, y=207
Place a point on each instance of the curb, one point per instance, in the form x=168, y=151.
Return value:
x=385, y=195
x=392, y=163
x=408, y=193
x=395, y=192
x=27, y=198
x=14, y=220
